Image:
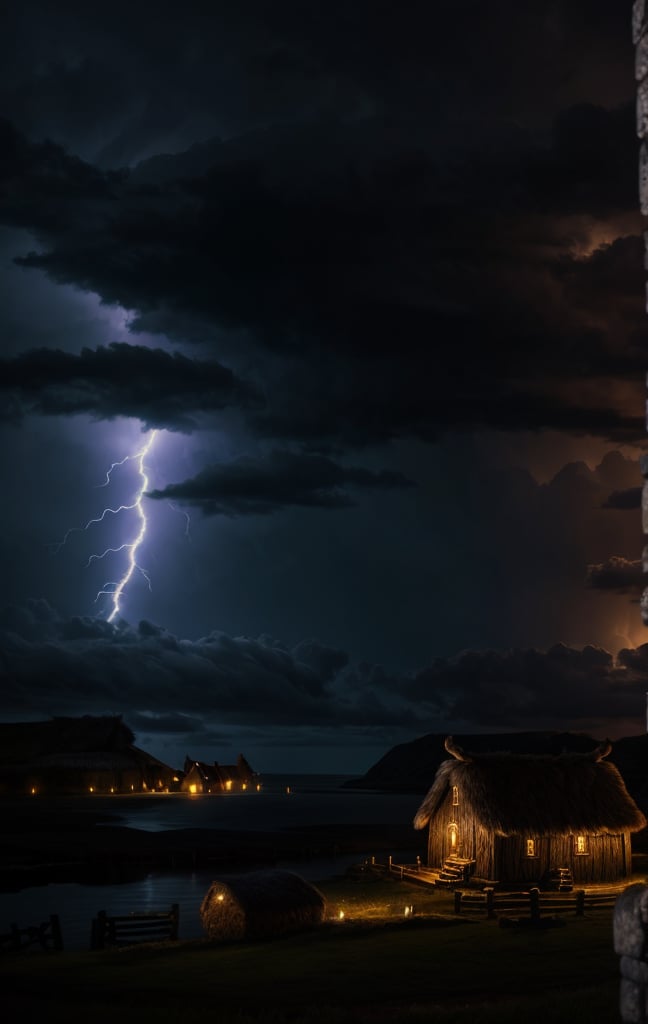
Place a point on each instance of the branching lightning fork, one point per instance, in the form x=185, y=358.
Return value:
x=115, y=590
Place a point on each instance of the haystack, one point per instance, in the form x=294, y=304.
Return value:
x=260, y=904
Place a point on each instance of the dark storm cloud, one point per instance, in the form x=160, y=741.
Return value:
x=167, y=685
x=127, y=80
x=49, y=664
x=387, y=299
x=165, y=723
x=630, y=498
x=519, y=688
x=157, y=387
x=616, y=574
x=250, y=486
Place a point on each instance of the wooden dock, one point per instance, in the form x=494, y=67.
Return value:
x=484, y=897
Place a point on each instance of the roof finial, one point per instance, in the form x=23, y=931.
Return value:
x=602, y=750
x=455, y=750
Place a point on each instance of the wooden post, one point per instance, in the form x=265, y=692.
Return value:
x=98, y=933
x=457, y=901
x=57, y=937
x=490, y=902
x=534, y=902
x=580, y=903
x=175, y=919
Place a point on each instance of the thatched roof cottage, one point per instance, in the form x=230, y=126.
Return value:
x=516, y=818
x=261, y=904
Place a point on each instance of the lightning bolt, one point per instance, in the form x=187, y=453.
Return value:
x=134, y=545
x=115, y=589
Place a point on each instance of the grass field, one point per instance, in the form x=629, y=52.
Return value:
x=375, y=965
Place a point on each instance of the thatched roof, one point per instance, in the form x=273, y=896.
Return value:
x=89, y=743
x=260, y=904
x=512, y=794
x=28, y=741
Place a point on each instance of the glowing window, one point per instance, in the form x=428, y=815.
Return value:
x=455, y=796
x=530, y=847
x=581, y=845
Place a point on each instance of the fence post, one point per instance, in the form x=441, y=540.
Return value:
x=490, y=902
x=580, y=903
x=457, y=901
x=98, y=932
x=175, y=920
x=534, y=903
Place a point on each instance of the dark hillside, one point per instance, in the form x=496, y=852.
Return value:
x=411, y=767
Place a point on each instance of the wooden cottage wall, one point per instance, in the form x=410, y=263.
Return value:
x=436, y=836
x=512, y=863
x=473, y=841
x=484, y=853
x=606, y=860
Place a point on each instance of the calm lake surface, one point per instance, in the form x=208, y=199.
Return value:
x=312, y=800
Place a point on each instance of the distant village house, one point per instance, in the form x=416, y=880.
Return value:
x=202, y=777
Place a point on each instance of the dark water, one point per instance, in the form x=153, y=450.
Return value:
x=283, y=802
x=312, y=800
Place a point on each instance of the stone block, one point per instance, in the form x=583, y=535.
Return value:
x=643, y=177
x=634, y=970
x=631, y=1002
x=641, y=57
x=638, y=19
x=642, y=109
x=630, y=920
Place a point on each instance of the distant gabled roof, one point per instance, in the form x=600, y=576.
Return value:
x=511, y=794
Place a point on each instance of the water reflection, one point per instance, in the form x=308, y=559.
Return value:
x=76, y=905
x=312, y=800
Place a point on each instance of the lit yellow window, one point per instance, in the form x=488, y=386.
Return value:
x=581, y=845
x=455, y=796
x=530, y=848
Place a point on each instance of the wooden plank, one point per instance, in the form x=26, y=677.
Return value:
x=125, y=929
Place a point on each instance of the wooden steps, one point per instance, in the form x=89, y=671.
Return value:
x=455, y=871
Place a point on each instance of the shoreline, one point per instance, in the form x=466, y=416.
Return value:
x=77, y=839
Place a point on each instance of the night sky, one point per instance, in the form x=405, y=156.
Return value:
x=373, y=270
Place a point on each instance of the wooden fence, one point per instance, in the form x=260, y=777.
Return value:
x=156, y=926
x=532, y=903
x=47, y=935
